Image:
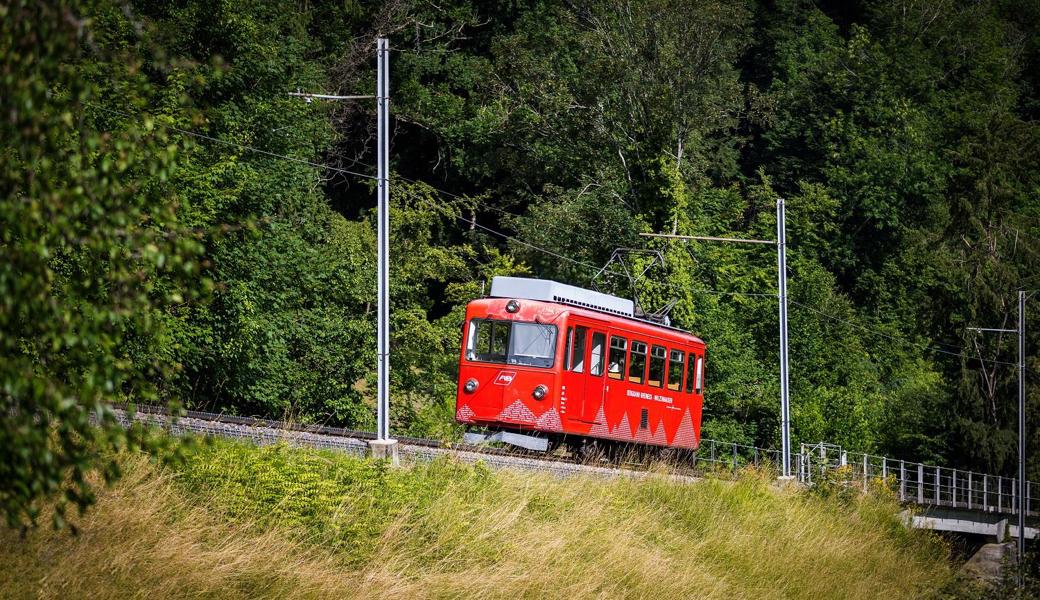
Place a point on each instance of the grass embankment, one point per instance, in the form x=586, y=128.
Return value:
x=237, y=521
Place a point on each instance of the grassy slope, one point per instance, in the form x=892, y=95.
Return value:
x=235, y=521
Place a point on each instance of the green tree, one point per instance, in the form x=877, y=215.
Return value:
x=902, y=134
x=88, y=235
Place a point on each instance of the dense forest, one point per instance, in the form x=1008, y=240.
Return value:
x=168, y=205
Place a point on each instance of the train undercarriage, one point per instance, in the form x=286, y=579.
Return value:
x=581, y=448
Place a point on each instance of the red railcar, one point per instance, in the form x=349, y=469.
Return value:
x=544, y=363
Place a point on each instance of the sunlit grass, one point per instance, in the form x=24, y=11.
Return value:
x=236, y=521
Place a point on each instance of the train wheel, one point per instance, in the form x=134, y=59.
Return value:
x=631, y=454
x=590, y=452
x=667, y=455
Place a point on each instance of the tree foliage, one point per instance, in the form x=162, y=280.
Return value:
x=535, y=138
x=94, y=259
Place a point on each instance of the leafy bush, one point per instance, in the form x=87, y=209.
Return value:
x=93, y=258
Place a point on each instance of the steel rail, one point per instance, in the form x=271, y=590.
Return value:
x=341, y=432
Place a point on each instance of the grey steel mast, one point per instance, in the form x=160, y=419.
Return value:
x=785, y=396
x=383, y=239
x=1020, y=488
x=1022, y=497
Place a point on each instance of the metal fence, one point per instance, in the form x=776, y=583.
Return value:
x=911, y=481
x=729, y=456
x=914, y=482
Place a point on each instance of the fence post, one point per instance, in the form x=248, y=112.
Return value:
x=937, y=484
x=969, y=490
x=953, y=488
x=985, y=492
x=1014, y=488
x=734, y=459
x=920, y=483
x=801, y=463
x=1000, y=494
x=884, y=469
x=808, y=467
x=864, y=472
x=902, y=481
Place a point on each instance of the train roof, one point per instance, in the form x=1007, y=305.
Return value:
x=552, y=291
x=545, y=290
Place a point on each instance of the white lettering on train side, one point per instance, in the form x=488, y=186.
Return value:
x=648, y=396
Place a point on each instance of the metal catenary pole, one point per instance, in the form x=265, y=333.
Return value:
x=781, y=246
x=1021, y=426
x=785, y=398
x=383, y=238
x=1019, y=485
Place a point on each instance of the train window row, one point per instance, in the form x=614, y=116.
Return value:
x=653, y=365
x=520, y=343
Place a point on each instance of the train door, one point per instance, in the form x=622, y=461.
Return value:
x=594, y=384
x=575, y=366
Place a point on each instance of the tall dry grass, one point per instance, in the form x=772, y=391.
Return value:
x=215, y=528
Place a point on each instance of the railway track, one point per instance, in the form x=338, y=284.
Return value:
x=266, y=432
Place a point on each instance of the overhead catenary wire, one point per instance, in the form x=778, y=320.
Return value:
x=548, y=252
x=244, y=147
x=898, y=338
x=596, y=269
x=751, y=294
x=535, y=247
x=810, y=308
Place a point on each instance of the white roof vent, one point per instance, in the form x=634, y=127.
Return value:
x=551, y=291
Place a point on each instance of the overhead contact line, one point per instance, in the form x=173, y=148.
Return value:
x=537, y=248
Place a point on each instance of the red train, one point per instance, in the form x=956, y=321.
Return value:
x=544, y=363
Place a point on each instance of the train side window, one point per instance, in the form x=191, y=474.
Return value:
x=658, y=354
x=691, y=364
x=637, y=363
x=618, y=346
x=576, y=348
x=597, y=354
x=675, y=369
x=700, y=373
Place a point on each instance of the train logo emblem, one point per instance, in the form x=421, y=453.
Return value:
x=505, y=377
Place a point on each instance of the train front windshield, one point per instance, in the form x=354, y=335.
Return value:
x=511, y=342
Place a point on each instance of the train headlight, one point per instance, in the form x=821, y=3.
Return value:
x=471, y=386
x=512, y=306
x=540, y=392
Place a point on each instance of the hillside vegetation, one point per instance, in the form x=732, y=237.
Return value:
x=174, y=226
x=234, y=521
